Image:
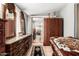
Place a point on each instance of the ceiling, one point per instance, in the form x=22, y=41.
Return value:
x=40, y=8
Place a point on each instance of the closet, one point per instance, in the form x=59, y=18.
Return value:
x=53, y=27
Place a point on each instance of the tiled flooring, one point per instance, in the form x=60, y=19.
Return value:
x=47, y=49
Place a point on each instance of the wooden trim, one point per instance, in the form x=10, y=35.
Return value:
x=23, y=18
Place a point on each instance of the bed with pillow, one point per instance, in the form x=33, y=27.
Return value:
x=68, y=46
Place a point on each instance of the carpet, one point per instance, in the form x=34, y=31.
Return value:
x=37, y=51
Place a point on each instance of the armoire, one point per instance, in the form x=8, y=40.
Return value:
x=53, y=27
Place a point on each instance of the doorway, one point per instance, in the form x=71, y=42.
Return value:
x=38, y=29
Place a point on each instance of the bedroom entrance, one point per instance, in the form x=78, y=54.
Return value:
x=37, y=29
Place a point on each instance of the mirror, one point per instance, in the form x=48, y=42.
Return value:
x=22, y=21
x=10, y=16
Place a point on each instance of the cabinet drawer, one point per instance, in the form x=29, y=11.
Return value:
x=2, y=45
x=2, y=49
x=1, y=25
x=1, y=40
x=1, y=37
x=1, y=32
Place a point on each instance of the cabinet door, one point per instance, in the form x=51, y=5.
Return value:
x=61, y=32
x=46, y=31
x=2, y=42
x=2, y=37
x=1, y=25
x=56, y=27
x=53, y=27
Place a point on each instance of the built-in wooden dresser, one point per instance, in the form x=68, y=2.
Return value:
x=2, y=36
x=18, y=47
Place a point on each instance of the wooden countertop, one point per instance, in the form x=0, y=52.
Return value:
x=12, y=40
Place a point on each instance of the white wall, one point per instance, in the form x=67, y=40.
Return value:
x=26, y=22
x=68, y=14
x=29, y=30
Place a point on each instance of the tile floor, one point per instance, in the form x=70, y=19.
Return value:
x=47, y=49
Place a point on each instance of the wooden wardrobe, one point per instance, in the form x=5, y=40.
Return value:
x=53, y=27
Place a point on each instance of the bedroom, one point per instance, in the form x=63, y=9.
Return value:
x=18, y=29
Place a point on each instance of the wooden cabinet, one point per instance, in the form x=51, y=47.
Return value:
x=2, y=36
x=53, y=27
x=20, y=47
